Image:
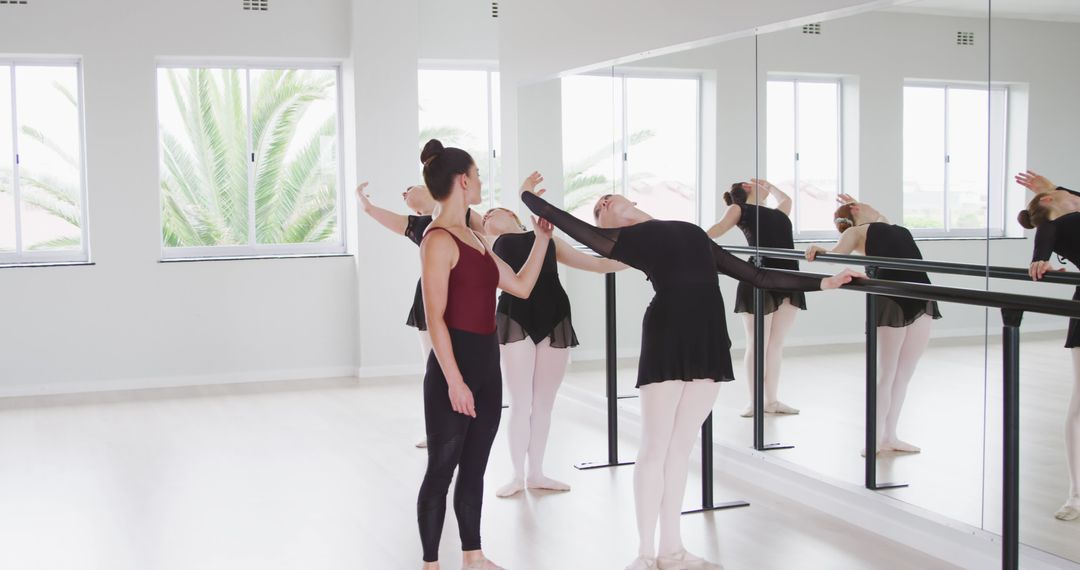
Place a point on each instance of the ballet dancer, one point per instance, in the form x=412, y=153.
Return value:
x=535, y=337
x=463, y=386
x=903, y=325
x=765, y=227
x=1052, y=213
x=685, y=350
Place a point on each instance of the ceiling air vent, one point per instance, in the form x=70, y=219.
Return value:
x=494, y=9
x=965, y=38
x=13, y=2
x=812, y=29
x=257, y=5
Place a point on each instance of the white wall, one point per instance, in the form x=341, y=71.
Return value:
x=129, y=320
x=880, y=50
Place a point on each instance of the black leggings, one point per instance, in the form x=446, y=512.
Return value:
x=458, y=441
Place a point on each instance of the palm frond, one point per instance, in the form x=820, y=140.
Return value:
x=66, y=242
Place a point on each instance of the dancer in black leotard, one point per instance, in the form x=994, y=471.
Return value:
x=903, y=325
x=764, y=227
x=462, y=387
x=685, y=350
x=535, y=336
x=419, y=200
x=1054, y=212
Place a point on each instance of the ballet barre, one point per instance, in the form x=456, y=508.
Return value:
x=1012, y=307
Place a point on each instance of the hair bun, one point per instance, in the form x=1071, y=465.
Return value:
x=727, y=198
x=431, y=151
x=1024, y=218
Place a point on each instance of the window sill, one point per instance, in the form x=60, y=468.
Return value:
x=252, y=257
x=46, y=264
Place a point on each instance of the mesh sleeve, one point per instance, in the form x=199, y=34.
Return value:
x=600, y=240
x=732, y=266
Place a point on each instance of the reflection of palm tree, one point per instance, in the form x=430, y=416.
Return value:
x=580, y=186
x=204, y=183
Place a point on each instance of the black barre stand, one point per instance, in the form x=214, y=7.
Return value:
x=759, y=372
x=870, y=461
x=707, y=503
x=611, y=393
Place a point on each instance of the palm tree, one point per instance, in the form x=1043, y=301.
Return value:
x=204, y=179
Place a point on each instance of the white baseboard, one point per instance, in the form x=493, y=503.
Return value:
x=62, y=388
x=387, y=371
x=948, y=540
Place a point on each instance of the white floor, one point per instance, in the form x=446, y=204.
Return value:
x=322, y=475
x=944, y=414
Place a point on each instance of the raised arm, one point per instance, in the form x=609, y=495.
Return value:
x=783, y=201
x=438, y=255
x=600, y=240
x=728, y=221
x=521, y=284
x=852, y=239
x=390, y=220
x=567, y=255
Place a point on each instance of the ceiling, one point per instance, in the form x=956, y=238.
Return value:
x=1047, y=10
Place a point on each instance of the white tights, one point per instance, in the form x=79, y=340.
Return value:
x=777, y=325
x=532, y=373
x=671, y=416
x=1072, y=433
x=899, y=351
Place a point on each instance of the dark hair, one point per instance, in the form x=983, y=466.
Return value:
x=441, y=165
x=842, y=218
x=1036, y=213
x=737, y=194
x=596, y=208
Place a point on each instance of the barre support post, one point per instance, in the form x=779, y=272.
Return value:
x=1010, y=482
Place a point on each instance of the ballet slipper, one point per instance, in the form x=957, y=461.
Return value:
x=510, y=489
x=642, y=563
x=779, y=407
x=546, y=483
x=748, y=412
x=1070, y=511
x=422, y=444
x=899, y=446
x=482, y=564
x=683, y=560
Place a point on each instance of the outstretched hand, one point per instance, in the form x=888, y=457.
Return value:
x=1035, y=182
x=532, y=182
x=365, y=200
x=542, y=227
x=842, y=278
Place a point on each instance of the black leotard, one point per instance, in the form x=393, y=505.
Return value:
x=767, y=227
x=889, y=240
x=546, y=313
x=684, y=333
x=414, y=230
x=1062, y=236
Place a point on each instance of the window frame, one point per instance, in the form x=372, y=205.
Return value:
x=621, y=118
x=253, y=249
x=19, y=256
x=489, y=68
x=988, y=231
x=798, y=233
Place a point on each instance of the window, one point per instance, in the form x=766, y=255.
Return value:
x=948, y=158
x=460, y=107
x=42, y=182
x=803, y=149
x=249, y=161
x=646, y=147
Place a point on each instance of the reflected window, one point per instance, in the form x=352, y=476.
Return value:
x=460, y=107
x=635, y=135
x=249, y=161
x=42, y=189
x=803, y=149
x=949, y=161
